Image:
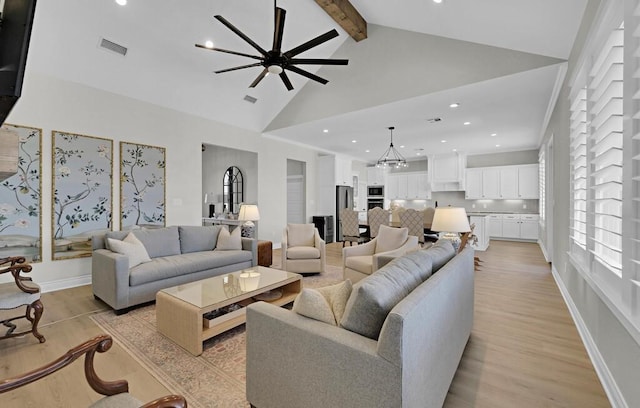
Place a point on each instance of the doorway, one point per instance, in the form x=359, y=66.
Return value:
x=296, y=187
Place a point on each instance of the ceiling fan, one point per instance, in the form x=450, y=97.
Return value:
x=276, y=61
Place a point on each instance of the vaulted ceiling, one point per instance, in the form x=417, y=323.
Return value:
x=500, y=59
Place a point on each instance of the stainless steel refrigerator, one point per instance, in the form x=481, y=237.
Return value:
x=344, y=199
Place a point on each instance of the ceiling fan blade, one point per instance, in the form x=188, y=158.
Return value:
x=307, y=74
x=319, y=61
x=278, y=28
x=259, y=78
x=240, y=34
x=257, y=64
x=229, y=52
x=311, y=43
x=286, y=81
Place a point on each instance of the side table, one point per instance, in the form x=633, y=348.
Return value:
x=265, y=253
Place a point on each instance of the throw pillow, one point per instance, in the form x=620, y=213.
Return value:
x=325, y=304
x=229, y=241
x=300, y=235
x=132, y=248
x=390, y=238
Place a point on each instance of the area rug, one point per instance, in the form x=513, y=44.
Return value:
x=214, y=379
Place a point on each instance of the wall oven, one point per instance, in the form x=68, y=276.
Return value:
x=375, y=191
x=375, y=202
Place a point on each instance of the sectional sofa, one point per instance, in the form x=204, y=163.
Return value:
x=398, y=343
x=178, y=254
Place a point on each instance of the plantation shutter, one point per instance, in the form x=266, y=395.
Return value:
x=605, y=148
x=578, y=157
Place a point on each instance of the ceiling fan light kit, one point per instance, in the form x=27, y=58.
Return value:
x=391, y=157
x=275, y=61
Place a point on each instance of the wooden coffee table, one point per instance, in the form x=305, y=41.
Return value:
x=180, y=310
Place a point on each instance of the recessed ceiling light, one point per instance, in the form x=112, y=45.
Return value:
x=208, y=43
x=494, y=134
x=437, y=1
x=454, y=105
x=325, y=130
x=122, y=2
x=367, y=151
x=418, y=154
x=466, y=123
x=402, y=146
x=354, y=141
x=443, y=141
x=497, y=145
x=455, y=150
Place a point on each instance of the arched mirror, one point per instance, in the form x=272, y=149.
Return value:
x=233, y=189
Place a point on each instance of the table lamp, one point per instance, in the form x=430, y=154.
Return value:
x=451, y=221
x=248, y=213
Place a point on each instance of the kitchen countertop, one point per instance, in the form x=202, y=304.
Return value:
x=499, y=212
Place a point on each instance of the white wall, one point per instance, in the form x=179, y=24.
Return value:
x=52, y=104
x=615, y=353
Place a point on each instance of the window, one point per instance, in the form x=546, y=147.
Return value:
x=542, y=185
x=578, y=158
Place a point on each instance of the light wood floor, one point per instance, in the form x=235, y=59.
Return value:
x=524, y=350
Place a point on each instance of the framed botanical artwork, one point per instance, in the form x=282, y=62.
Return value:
x=82, y=198
x=21, y=200
x=142, y=186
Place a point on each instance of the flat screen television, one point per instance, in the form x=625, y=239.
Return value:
x=16, y=20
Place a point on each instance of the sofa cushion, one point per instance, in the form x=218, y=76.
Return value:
x=373, y=298
x=132, y=248
x=361, y=263
x=119, y=235
x=229, y=241
x=159, y=241
x=170, y=266
x=303, y=253
x=390, y=238
x=194, y=238
x=418, y=262
x=326, y=304
x=441, y=252
x=300, y=235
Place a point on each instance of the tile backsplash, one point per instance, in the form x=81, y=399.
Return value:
x=456, y=199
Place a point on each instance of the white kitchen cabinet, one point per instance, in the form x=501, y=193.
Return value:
x=473, y=188
x=407, y=186
x=495, y=225
x=502, y=182
x=481, y=231
x=447, y=171
x=514, y=226
x=528, y=182
x=375, y=176
x=343, y=172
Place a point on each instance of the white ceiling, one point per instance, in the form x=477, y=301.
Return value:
x=163, y=67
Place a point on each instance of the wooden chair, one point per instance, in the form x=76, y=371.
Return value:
x=350, y=227
x=22, y=292
x=116, y=392
x=375, y=218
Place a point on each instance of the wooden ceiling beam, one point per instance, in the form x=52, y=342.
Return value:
x=345, y=14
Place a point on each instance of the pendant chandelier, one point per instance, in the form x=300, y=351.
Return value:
x=391, y=157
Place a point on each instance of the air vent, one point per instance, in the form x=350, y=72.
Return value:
x=113, y=47
x=250, y=99
x=434, y=120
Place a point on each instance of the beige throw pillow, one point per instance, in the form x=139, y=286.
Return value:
x=132, y=248
x=229, y=241
x=325, y=304
x=390, y=238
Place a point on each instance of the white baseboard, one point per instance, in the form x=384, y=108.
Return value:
x=65, y=283
x=544, y=251
x=606, y=378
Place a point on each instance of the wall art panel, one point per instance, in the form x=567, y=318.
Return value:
x=82, y=186
x=20, y=199
x=142, y=186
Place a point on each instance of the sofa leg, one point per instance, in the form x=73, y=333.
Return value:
x=120, y=312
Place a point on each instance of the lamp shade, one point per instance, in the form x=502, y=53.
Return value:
x=450, y=219
x=249, y=212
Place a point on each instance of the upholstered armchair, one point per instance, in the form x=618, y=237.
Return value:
x=116, y=392
x=361, y=261
x=303, y=251
x=22, y=292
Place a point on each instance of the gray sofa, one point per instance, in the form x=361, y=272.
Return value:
x=179, y=254
x=296, y=361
